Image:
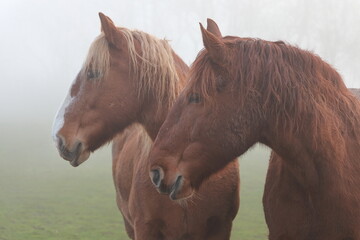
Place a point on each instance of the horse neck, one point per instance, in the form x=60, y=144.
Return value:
x=318, y=163
x=154, y=112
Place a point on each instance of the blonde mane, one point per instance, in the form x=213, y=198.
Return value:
x=153, y=66
x=98, y=57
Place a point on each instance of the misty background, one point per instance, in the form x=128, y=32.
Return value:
x=43, y=44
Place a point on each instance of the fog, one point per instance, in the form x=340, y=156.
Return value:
x=44, y=43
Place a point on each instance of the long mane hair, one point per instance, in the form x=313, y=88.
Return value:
x=153, y=66
x=296, y=87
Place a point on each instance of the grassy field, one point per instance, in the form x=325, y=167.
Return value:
x=42, y=197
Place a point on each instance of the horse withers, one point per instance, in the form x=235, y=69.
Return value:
x=128, y=82
x=243, y=91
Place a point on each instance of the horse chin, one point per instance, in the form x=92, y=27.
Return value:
x=82, y=158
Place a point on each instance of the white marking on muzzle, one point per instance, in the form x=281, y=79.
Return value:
x=59, y=118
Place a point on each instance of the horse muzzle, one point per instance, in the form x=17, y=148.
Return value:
x=175, y=189
x=74, y=153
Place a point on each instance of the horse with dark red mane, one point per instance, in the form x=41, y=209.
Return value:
x=244, y=91
x=123, y=93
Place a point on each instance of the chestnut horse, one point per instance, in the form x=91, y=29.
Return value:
x=282, y=192
x=129, y=81
x=244, y=91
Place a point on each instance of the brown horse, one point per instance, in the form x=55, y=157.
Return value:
x=282, y=192
x=129, y=81
x=243, y=91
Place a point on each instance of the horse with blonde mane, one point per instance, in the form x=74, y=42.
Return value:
x=123, y=93
x=243, y=91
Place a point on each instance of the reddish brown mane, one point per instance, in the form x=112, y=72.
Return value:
x=247, y=91
x=279, y=71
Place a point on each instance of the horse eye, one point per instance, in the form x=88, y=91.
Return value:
x=194, y=98
x=92, y=74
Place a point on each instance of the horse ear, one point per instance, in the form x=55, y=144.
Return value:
x=109, y=29
x=214, y=45
x=213, y=28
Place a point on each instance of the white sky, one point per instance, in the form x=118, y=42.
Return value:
x=44, y=42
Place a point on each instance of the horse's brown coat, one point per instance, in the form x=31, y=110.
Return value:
x=129, y=81
x=208, y=215
x=282, y=192
x=248, y=91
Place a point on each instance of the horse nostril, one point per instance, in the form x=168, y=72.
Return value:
x=177, y=184
x=156, y=178
x=78, y=146
x=60, y=143
x=176, y=187
x=70, y=153
x=178, y=181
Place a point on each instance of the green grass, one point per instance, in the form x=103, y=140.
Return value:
x=250, y=222
x=43, y=197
